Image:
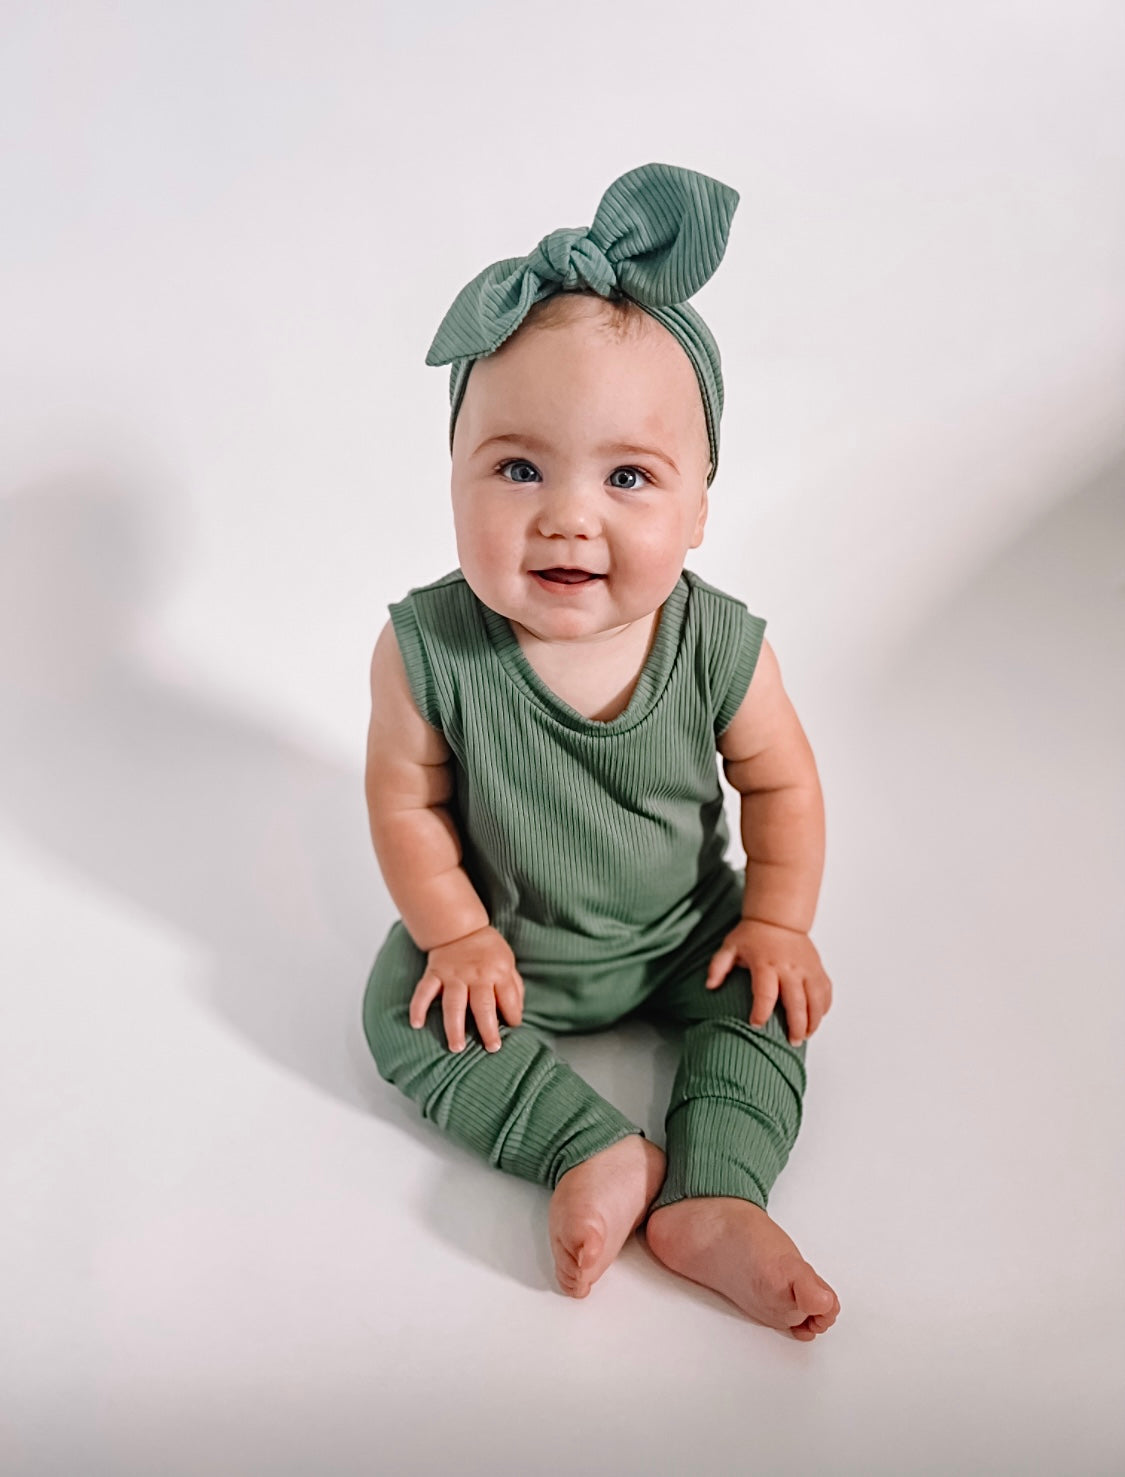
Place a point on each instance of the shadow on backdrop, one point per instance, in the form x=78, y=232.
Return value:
x=247, y=844
x=1001, y=718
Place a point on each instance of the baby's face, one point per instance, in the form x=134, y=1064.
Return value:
x=575, y=448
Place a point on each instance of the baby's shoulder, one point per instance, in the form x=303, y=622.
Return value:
x=440, y=632
x=441, y=605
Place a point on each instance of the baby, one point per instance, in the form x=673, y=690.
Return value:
x=541, y=777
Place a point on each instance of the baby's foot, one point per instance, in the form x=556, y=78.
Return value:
x=733, y=1246
x=597, y=1206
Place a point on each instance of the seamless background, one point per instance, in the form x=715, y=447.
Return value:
x=227, y=235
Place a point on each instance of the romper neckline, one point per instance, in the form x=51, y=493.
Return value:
x=650, y=684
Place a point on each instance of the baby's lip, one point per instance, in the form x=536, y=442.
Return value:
x=568, y=569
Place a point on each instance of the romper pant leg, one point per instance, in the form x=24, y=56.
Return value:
x=522, y=1108
x=736, y=1101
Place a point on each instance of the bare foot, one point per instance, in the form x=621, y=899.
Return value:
x=733, y=1247
x=598, y=1205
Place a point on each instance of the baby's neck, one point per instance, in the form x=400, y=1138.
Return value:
x=597, y=676
x=603, y=646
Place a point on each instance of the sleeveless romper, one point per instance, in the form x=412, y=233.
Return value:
x=599, y=852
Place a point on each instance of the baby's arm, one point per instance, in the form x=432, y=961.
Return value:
x=409, y=783
x=768, y=759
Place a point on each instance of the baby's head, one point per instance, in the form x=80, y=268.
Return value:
x=580, y=443
x=585, y=399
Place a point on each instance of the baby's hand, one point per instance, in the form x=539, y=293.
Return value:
x=779, y=959
x=480, y=970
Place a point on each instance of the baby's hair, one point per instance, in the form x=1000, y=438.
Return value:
x=620, y=315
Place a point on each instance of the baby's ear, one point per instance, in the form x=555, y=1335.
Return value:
x=700, y=523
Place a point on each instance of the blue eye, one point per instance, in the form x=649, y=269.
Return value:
x=635, y=471
x=520, y=462
x=515, y=462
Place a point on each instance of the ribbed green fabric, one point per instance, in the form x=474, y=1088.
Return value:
x=593, y=844
x=598, y=849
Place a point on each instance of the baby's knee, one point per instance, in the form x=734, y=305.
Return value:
x=393, y=1042
x=384, y=1024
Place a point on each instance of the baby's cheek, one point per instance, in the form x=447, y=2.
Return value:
x=655, y=550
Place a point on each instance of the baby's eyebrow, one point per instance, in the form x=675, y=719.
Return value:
x=534, y=443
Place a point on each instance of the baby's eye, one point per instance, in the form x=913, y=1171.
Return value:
x=516, y=462
x=518, y=476
x=632, y=472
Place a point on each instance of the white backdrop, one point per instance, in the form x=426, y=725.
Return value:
x=227, y=235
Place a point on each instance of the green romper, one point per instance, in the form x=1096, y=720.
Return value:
x=599, y=851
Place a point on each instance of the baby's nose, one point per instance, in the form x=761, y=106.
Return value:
x=570, y=509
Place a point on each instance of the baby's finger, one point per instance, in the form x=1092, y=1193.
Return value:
x=796, y=1008
x=483, y=1000
x=817, y=994
x=425, y=993
x=721, y=965
x=453, y=1000
x=764, y=984
x=510, y=996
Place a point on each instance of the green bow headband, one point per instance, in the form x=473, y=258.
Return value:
x=657, y=236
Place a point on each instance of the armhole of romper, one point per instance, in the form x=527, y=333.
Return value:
x=743, y=635
x=415, y=659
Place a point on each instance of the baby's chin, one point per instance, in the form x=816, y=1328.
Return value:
x=560, y=619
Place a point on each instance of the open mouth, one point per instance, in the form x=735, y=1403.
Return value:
x=565, y=576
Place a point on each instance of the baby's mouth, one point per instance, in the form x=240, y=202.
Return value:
x=566, y=576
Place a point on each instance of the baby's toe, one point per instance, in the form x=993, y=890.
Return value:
x=828, y=1316
x=815, y=1305
x=569, y=1279
x=812, y=1293
x=584, y=1243
x=576, y=1252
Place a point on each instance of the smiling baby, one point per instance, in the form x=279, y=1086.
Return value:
x=542, y=782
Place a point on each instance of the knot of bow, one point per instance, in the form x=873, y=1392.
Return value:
x=658, y=234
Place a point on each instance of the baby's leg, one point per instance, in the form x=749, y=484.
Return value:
x=523, y=1109
x=733, y=1117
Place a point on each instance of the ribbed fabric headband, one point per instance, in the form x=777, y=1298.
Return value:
x=657, y=236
